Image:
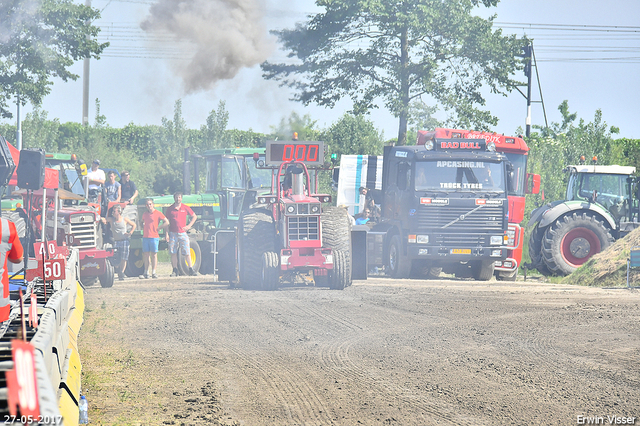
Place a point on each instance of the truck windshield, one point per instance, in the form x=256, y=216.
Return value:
x=459, y=176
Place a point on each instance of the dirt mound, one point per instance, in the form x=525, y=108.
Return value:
x=609, y=268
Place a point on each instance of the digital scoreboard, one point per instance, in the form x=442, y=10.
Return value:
x=309, y=153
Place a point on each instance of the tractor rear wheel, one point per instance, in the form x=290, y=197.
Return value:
x=340, y=277
x=336, y=233
x=135, y=264
x=21, y=224
x=196, y=258
x=270, y=277
x=572, y=240
x=535, y=250
x=256, y=235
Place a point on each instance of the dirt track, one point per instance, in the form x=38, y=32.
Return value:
x=382, y=352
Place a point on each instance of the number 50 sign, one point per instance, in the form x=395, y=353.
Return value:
x=54, y=269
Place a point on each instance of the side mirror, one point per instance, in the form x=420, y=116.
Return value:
x=533, y=184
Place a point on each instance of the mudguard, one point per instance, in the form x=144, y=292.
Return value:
x=551, y=212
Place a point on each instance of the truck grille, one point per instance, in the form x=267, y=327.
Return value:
x=487, y=218
x=303, y=228
x=84, y=234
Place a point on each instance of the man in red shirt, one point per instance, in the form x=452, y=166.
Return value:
x=10, y=249
x=150, y=237
x=177, y=237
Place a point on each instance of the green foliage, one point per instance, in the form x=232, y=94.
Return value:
x=354, y=135
x=398, y=52
x=304, y=126
x=40, y=40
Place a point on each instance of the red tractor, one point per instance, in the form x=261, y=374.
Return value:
x=287, y=233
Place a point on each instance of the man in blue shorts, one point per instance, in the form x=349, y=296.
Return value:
x=151, y=220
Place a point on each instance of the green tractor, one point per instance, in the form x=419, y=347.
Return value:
x=232, y=184
x=599, y=208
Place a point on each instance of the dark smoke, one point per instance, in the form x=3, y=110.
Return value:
x=224, y=36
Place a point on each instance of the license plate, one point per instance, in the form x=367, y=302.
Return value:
x=460, y=251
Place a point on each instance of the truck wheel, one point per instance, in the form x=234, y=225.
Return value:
x=256, y=235
x=340, y=277
x=572, y=240
x=399, y=267
x=135, y=263
x=196, y=258
x=507, y=276
x=270, y=277
x=535, y=251
x=336, y=233
x=107, y=279
x=425, y=270
x=482, y=270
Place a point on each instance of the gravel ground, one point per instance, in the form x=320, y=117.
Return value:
x=189, y=351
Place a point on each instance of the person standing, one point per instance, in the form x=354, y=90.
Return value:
x=150, y=237
x=10, y=249
x=121, y=235
x=177, y=237
x=96, y=179
x=112, y=187
x=129, y=190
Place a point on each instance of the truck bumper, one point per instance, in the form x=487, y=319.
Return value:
x=306, y=258
x=446, y=254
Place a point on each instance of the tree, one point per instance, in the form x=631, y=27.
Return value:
x=304, y=126
x=214, y=130
x=353, y=134
x=399, y=51
x=40, y=40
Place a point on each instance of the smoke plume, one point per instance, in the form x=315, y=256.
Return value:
x=223, y=36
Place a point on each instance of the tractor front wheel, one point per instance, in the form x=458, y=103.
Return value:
x=196, y=258
x=572, y=240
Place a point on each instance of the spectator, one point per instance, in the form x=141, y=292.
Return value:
x=113, y=188
x=370, y=204
x=11, y=250
x=150, y=237
x=121, y=234
x=129, y=190
x=96, y=179
x=177, y=237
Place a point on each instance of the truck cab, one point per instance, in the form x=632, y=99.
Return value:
x=444, y=207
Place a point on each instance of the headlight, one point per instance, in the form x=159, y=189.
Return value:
x=491, y=146
x=428, y=145
x=422, y=239
x=496, y=240
x=496, y=253
x=315, y=208
x=262, y=200
x=291, y=209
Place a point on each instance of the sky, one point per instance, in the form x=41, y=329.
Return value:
x=587, y=53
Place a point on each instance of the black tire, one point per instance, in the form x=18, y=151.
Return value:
x=270, y=277
x=107, y=279
x=572, y=240
x=256, y=235
x=507, y=276
x=482, y=270
x=399, y=266
x=336, y=233
x=535, y=250
x=21, y=224
x=135, y=263
x=340, y=276
x=196, y=258
x=424, y=270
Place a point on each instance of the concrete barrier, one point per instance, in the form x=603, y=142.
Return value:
x=58, y=367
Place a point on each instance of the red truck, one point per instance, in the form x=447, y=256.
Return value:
x=516, y=151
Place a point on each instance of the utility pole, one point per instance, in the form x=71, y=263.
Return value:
x=85, y=84
x=527, y=72
x=18, y=125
